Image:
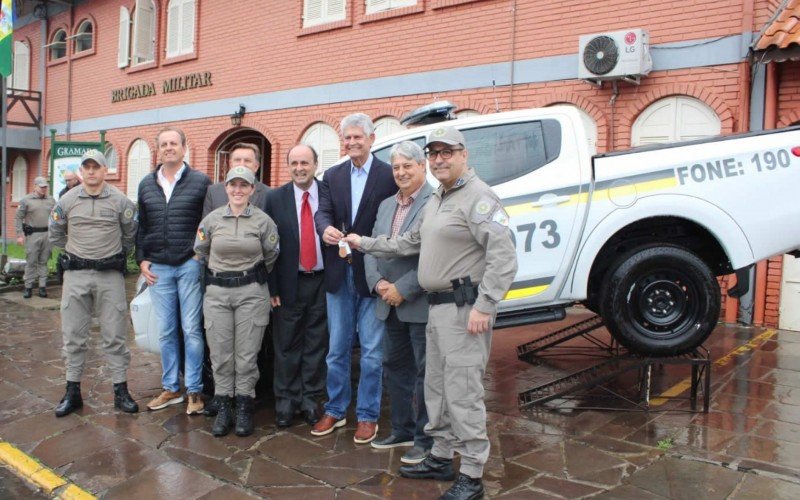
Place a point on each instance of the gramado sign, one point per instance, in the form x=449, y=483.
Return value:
x=176, y=84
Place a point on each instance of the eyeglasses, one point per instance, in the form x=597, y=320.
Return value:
x=446, y=154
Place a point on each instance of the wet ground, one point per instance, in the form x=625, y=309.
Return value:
x=746, y=446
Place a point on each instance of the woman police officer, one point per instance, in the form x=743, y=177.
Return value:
x=239, y=243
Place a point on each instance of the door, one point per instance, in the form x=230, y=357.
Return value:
x=790, y=294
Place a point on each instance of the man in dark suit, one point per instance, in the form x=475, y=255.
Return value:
x=403, y=307
x=248, y=155
x=349, y=197
x=297, y=293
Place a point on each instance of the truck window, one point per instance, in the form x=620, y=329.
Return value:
x=383, y=153
x=502, y=153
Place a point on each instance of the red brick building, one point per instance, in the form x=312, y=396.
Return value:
x=130, y=67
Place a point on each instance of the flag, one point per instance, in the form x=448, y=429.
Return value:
x=6, y=40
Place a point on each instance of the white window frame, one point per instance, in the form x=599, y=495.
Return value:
x=19, y=178
x=21, y=76
x=112, y=160
x=145, y=20
x=387, y=125
x=374, y=6
x=56, y=44
x=680, y=128
x=316, y=12
x=181, y=15
x=140, y=159
x=325, y=141
x=81, y=34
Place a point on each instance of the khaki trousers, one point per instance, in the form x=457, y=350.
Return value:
x=103, y=292
x=235, y=320
x=37, y=251
x=454, y=368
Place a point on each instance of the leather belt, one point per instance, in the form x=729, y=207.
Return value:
x=234, y=279
x=311, y=274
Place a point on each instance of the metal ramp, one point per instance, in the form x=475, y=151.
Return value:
x=527, y=351
x=572, y=390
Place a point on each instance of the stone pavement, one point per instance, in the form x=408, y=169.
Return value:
x=747, y=446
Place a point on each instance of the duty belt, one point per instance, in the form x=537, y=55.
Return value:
x=28, y=230
x=464, y=292
x=234, y=279
x=70, y=262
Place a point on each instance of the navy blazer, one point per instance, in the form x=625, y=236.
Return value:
x=280, y=205
x=335, y=210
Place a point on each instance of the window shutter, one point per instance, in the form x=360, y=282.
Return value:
x=187, y=28
x=21, y=77
x=144, y=20
x=335, y=10
x=174, y=28
x=123, y=53
x=19, y=174
x=313, y=12
x=138, y=166
x=377, y=5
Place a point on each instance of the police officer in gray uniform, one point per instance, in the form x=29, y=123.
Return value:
x=96, y=225
x=31, y=221
x=239, y=242
x=467, y=263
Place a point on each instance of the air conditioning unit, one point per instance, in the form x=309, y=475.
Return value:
x=615, y=55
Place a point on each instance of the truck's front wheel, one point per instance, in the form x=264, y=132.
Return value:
x=660, y=301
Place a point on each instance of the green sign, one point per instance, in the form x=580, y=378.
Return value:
x=66, y=156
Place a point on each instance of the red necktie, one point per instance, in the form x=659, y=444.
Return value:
x=308, y=251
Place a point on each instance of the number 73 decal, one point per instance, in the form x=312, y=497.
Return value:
x=552, y=239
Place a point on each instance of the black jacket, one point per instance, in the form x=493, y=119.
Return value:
x=167, y=230
x=334, y=210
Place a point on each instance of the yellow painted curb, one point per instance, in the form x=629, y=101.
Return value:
x=38, y=474
x=686, y=384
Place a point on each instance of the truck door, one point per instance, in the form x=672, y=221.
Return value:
x=540, y=182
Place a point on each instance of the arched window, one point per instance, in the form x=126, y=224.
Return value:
x=21, y=77
x=144, y=32
x=387, y=125
x=672, y=119
x=19, y=176
x=84, y=36
x=58, y=45
x=324, y=139
x=139, y=161
x=112, y=160
x=180, y=27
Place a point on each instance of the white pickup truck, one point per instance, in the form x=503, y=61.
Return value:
x=638, y=236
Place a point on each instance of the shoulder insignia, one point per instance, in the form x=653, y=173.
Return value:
x=201, y=234
x=483, y=207
x=272, y=238
x=57, y=214
x=128, y=213
x=500, y=217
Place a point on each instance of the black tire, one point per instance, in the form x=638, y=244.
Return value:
x=660, y=301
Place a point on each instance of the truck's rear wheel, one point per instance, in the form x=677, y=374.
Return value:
x=660, y=301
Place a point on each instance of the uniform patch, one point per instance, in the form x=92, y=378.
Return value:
x=128, y=213
x=272, y=238
x=500, y=217
x=201, y=234
x=57, y=214
x=483, y=207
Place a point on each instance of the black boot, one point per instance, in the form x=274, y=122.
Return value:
x=123, y=400
x=244, y=415
x=27, y=293
x=432, y=467
x=42, y=292
x=465, y=488
x=71, y=401
x=224, y=421
x=212, y=407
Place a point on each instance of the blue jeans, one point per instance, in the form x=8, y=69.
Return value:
x=177, y=291
x=346, y=311
x=404, y=367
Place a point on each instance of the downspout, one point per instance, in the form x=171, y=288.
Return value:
x=513, y=55
x=42, y=89
x=770, y=122
x=69, y=72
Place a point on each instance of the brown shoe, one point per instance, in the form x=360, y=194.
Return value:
x=166, y=398
x=195, y=405
x=365, y=432
x=327, y=424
